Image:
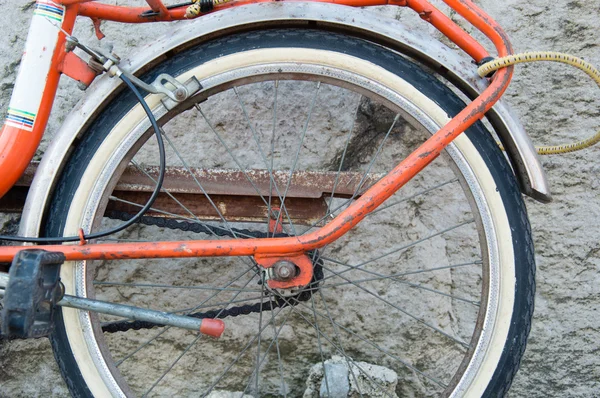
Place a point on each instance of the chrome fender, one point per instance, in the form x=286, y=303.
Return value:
x=455, y=67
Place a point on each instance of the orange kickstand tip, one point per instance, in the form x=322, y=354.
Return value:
x=212, y=327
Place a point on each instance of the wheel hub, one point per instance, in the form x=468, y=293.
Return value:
x=286, y=278
x=284, y=271
x=291, y=272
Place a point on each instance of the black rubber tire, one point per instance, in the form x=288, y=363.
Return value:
x=424, y=81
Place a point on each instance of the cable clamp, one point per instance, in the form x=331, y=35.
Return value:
x=82, y=240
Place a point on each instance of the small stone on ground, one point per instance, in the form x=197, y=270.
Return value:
x=359, y=379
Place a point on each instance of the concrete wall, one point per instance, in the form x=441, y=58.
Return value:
x=555, y=104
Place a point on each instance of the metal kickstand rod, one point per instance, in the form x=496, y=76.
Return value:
x=32, y=291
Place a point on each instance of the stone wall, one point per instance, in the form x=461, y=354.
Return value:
x=554, y=103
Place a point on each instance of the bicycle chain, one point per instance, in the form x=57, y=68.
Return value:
x=279, y=302
x=196, y=227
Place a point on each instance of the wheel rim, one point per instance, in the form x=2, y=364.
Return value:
x=97, y=201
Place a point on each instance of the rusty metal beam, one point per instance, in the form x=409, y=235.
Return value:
x=237, y=194
x=304, y=184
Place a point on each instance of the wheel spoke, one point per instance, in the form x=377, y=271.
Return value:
x=274, y=340
x=415, y=285
x=462, y=343
x=194, y=217
x=235, y=159
x=379, y=148
x=162, y=376
x=195, y=340
x=399, y=201
x=259, y=337
x=396, y=275
x=453, y=297
x=337, y=335
x=403, y=247
x=279, y=362
x=152, y=339
x=272, y=155
x=414, y=196
x=377, y=278
x=383, y=351
x=135, y=164
x=244, y=350
x=335, y=346
x=341, y=165
x=176, y=216
x=189, y=170
x=319, y=333
x=272, y=182
x=297, y=156
x=366, y=173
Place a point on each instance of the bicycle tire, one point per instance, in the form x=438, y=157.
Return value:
x=83, y=356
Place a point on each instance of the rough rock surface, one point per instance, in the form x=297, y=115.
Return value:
x=554, y=103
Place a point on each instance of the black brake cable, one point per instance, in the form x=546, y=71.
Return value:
x=159, y=182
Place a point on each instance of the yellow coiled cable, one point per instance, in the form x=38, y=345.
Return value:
x=197, y=8
x=536, y=56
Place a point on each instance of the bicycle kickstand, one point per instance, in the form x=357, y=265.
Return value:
x=32, y=291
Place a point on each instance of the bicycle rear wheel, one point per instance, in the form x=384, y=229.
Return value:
x=290, y=127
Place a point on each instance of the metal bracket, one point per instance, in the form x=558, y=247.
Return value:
x=162, y=85
x=79, y=70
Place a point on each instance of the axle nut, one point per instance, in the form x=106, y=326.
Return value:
x=284, y=270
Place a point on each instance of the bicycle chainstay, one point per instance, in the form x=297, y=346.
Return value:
x=279, y=302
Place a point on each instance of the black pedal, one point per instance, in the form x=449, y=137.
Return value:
x=31, y=295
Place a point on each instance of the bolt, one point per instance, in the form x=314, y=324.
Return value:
x=181, y=93
x=284, y=270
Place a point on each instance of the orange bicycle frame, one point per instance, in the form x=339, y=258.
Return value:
x=20, y=136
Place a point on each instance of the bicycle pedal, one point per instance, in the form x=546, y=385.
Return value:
x=31, y=294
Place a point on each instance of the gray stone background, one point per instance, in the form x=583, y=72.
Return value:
x=554, y=103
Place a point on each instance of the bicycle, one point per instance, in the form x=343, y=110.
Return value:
x=102, y=170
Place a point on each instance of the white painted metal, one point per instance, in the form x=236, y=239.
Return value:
x=35, y=65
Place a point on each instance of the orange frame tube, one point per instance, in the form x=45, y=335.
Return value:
x=369, y=201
